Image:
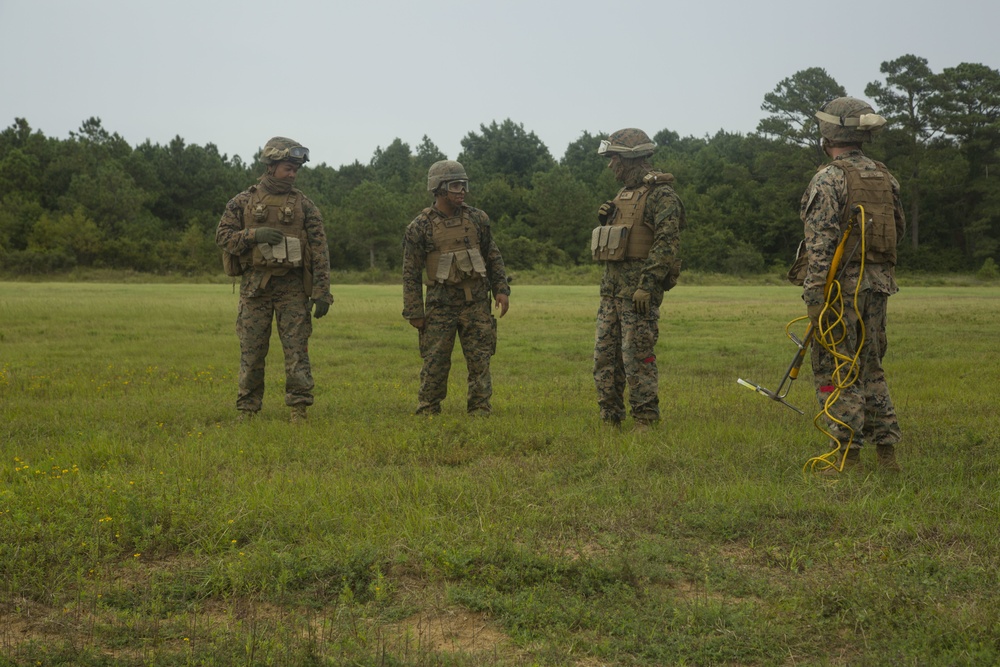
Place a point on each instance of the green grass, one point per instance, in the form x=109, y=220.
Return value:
x=140, y=525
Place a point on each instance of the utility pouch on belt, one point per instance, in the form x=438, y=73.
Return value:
x=797, y=274
x=231, y=264
x=493, y=341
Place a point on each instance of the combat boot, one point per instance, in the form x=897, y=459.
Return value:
x=851, y=464
x=246, y=416
x=298, y=414
x=643, y=424
x=885, y=455
x=612, y=423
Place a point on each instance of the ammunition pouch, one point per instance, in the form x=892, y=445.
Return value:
x=285, y=255
x=608, y=243
x=452, y=268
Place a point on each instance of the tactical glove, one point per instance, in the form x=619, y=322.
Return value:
x=640, y=301
x=268, y=236
x=606, y=212
x=322, y=308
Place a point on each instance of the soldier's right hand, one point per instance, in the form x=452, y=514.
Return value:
x=417, y=323
x=606, y=212
x=268, y=236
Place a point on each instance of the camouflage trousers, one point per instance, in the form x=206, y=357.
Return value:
x=476, y=329
x=284, y=300
x=624, y=353
x=865, y=407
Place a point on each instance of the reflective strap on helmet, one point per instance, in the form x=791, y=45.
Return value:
x=867, y=121
x=838, y=120
x=607, y=147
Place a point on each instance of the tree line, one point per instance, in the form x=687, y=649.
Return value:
x=92, y=200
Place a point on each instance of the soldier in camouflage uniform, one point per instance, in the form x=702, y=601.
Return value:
x=851, y=179
x=638, y=239
x=451, y=246
x=272, y=235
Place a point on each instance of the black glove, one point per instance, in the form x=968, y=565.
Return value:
x=268, y=236
x=322, y=308
x=606, y=212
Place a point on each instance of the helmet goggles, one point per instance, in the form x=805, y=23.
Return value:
x=608, y=149
x=458, y=186
x=299, y=153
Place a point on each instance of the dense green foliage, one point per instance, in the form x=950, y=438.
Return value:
x=94, y=201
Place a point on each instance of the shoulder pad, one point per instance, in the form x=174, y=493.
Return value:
x=658, y=178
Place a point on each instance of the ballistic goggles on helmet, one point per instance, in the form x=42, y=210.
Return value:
x=299, y=153
x=457, y=186
x=607, y=149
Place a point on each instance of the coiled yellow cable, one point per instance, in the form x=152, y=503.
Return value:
x=846, y=369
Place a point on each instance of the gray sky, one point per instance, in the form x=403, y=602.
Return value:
x=344, y=77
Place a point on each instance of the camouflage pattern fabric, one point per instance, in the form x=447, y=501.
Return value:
x=624, y=353
x=865, y=406
x=233, y=236
x=446, y=313
x=282, y=298
x=476, y=328
x=625, y=341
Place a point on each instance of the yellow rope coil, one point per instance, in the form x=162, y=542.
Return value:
x=846, y=369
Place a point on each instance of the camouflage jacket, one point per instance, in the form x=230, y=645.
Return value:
x=233, y=236
x=417, y=244
x=665, y=212
x=821, y=205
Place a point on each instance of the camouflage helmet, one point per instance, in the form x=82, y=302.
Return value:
x=283, y=149
x=444, y=171
x=628, y=143
x=848, y=120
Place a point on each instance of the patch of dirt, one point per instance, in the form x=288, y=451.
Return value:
x=446, y=630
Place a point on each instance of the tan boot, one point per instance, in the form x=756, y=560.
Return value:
x=298, y=414
x=246, y=416
x=644, y=424
x=851, y=464
x=885, y=455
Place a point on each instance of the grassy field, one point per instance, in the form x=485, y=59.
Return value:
x=141, y=525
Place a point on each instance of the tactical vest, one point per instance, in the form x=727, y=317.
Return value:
x=285, y=213
x=627, y=235
x=872, y=189
x=456, y=258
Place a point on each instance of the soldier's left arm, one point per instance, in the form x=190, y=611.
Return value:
x=665, y=212
x=897, y=208
x=820, y=213
x=320, y=251
x=496, y=272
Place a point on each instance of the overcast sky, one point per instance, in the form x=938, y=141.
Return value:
x=344, y=77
